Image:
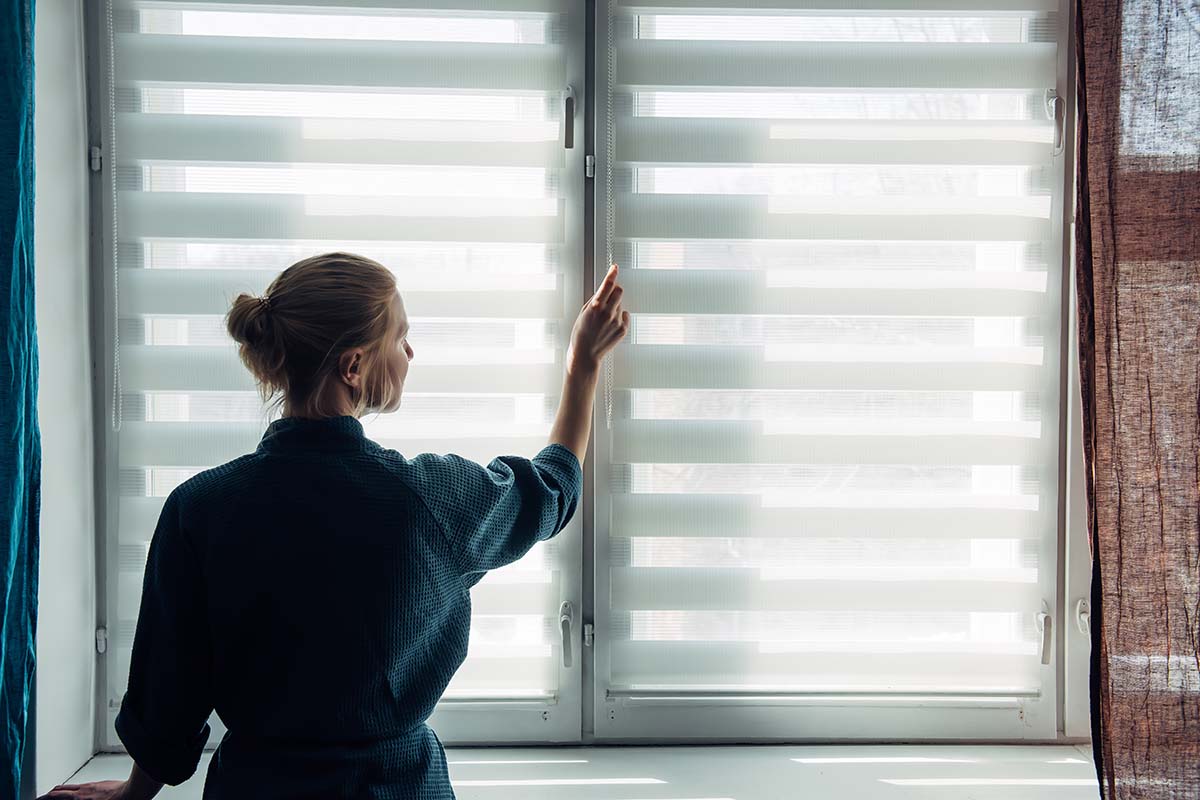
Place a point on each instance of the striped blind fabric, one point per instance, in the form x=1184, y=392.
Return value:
x=835, y=423
x=249, y=135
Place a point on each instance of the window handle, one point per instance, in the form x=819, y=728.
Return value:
x=566, y=616
x=1055, y=110
x=569, y=117
x=1083, y=617
x=1045, y=625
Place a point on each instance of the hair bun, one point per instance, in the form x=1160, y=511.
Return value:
x=247, y=320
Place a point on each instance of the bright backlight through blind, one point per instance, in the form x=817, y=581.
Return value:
x=832, y=467
x=249, y=137
x=834, y=459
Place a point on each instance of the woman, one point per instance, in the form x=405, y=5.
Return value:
x=314, y=592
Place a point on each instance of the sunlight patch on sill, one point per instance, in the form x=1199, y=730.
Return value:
x=989, y=781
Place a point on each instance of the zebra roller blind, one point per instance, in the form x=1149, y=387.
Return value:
x=835, y=439
x=429, y=136
x=832, y=462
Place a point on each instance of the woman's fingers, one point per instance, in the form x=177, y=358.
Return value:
x=602, y=323
x=614, y=296
x=102, y=790
x=608, y=285
x=616, y=329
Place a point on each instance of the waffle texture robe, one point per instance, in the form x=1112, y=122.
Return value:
x=315, y=594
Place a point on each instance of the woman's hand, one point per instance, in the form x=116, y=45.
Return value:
x=600, y=326
x=104, y=790
x=140, y=786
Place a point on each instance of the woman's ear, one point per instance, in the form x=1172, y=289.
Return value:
x=350, y=367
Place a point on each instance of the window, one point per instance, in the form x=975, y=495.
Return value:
x=430, y=139
x=835, y=429
x=825, y=491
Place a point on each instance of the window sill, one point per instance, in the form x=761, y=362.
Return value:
x=864, y=772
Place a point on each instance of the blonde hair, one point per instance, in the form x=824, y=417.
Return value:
x=292, y=338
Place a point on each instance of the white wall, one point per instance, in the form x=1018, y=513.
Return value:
x=67, y=598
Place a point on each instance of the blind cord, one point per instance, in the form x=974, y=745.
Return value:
x=112, y=180
x=609, y=211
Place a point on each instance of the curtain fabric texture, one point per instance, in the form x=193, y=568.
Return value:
x=20, y=453
x=1138, y=237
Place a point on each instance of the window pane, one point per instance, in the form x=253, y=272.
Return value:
x=834, y=423
x=249, y=137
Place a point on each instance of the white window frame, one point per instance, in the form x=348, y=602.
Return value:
x=625, y=717
x=583, y=711
x=559, y=721
x=474, y=721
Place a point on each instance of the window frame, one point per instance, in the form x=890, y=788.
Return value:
x=460, y=722
x=819, y=718
x=583, y=713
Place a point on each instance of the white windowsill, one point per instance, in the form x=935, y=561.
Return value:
x=826, y=772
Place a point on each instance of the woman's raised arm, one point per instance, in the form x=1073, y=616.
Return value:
x=600, y=326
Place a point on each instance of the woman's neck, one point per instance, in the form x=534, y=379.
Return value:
x=336, y=403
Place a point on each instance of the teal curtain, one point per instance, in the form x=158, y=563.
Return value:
x=20, y=450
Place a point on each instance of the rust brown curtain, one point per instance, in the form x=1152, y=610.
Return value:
x=1138, y=275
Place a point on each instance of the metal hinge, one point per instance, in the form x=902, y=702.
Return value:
x=101, y=640
x=589, y=166
x=589, y=635
x=94, y=158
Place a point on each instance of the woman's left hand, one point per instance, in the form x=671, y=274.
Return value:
x=104, y=790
